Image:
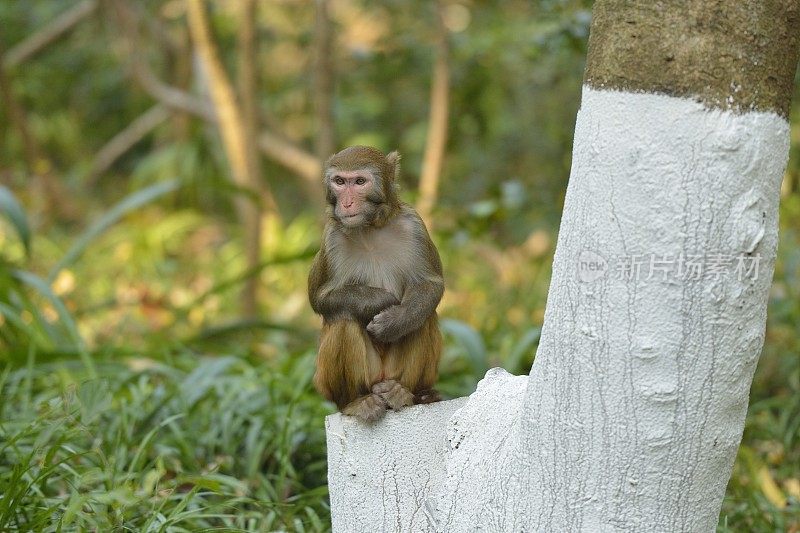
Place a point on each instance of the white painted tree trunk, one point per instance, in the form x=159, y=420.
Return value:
x=634, y=409
x=655, y=319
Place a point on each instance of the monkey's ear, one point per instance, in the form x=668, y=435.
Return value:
x=394, y=160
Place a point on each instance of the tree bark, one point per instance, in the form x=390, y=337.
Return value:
x=437, y=126
x=633, y=411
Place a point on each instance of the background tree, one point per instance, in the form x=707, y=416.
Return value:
x=437, y=125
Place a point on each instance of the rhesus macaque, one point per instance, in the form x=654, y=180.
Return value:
x=376, y=281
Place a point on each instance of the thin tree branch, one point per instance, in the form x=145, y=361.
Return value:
x=271, y=144
x=248, y=83
x=126, y=139
x=292, y=157
x=143, y=74
x=50, y=33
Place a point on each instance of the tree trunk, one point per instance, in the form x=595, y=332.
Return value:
x=248, y=89
x=437, y=126
x=234, y=138
x=323, y=82
x=634, y=408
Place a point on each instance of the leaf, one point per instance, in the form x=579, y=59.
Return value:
x=94, y=397
x=470, y=340
x=203, y=378
x=64, y=316
x=74, y=504
x=770, y=488
x=792, y=486
x=16, y=215
x=238, y=326
x=128, y=204
x=523, y=347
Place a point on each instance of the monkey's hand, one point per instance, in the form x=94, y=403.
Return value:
x=373, y=301
x=359, y=302
x=388, y=325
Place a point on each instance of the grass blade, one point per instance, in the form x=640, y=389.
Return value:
x=16, y=215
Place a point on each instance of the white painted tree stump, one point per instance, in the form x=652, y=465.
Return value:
x=380, y=475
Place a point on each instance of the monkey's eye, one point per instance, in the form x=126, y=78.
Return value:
x=361, y=181
x=338, y=181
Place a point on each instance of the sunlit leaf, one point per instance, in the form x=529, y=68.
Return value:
x=770, y=488
x=64, y=316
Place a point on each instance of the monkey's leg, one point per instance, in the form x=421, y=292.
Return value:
x=413, y=361
x=347, y=366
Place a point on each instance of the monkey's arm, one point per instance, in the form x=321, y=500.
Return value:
x=421, y=297
x=359, y=302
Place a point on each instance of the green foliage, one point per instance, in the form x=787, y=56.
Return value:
x=130, y=203
x=16, y=216
x=181, y=445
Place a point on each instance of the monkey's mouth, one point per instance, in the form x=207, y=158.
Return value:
x=351, y=220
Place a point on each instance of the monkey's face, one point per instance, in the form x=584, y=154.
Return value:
x=353, y=195
x=360, y=186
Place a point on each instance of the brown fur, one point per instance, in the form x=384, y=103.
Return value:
x=377, y=286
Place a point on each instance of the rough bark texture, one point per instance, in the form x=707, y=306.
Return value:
x=731, y=54
x=636, y=401
x=483, y=439
x=380, y=476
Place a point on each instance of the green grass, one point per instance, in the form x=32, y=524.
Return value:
x=189, y=443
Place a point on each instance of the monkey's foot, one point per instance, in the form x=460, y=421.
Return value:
x=369, y=408
x=427, y=396
x=395, y=395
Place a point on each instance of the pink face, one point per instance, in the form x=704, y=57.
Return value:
x=351, y=189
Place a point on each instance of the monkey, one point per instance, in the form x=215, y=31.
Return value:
x=377, y=281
